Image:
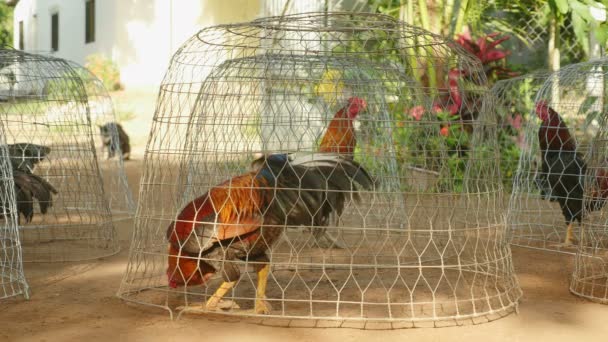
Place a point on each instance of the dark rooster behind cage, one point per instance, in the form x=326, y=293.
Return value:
x=29, y=187
x=563, y=171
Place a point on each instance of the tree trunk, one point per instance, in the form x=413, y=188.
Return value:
x=554, y=45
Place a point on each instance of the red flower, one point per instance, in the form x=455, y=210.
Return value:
x=445, y=131
x=417, y=112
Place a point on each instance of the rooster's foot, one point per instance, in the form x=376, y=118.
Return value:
x=222, y=305
x=262, y=307
x=568, y=243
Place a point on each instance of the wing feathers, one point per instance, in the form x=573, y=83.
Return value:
x=29, y=187
x=278, y=191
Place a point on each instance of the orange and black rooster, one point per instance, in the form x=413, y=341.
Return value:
x=563, y=170
x=340, y=134
x=241, y=218
x=339, y=139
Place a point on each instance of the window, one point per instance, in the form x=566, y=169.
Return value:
x=55, y=32
x=21, y=36
x=89, y=35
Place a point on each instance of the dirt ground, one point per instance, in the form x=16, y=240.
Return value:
x=76, y=302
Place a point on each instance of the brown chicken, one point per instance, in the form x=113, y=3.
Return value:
x=340, y=134
x=241, y=218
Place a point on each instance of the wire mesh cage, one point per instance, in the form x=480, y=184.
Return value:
x=547, y=197
x=514, y=100
x=12, y=278
x=336, y=156
x=590, y=277
x=47, y=116
x=112, y=145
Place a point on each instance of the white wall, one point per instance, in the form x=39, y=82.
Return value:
x=139, y=35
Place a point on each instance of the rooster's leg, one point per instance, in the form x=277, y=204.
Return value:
x=219, y=293
x=570, y=239
x=214, y=302
x=262, y=307
x=569, y=235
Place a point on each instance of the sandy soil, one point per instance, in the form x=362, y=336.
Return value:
x=76, y=302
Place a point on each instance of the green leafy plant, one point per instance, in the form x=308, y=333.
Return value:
x=581, y=18
x=6, y=25
x=106, y=70
x=69, y=86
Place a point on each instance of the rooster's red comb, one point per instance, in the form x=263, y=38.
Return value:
x=357, y=101
x=355, y=105
x=542, y=110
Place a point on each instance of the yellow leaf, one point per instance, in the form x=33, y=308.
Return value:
x=330, y=86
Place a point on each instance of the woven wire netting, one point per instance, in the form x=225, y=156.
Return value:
x=426, y=242
x=514, y=101
x=548, y=186
x=47, y=116
x=12, y=278
x=590, y=278
x=534, y=29
x=101, y=108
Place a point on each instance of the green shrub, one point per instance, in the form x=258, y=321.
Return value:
x=106, y=70
x=69, y=86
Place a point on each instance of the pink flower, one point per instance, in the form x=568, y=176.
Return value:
x=516, y=121
x=520, y=140
x=437, y=108
x=417, y=112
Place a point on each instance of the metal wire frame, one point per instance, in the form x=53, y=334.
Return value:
x=101, y=108
x=534, y=214
x=514, y=100
x=528, y=213
x=590, y=277
x=426, y=244
x=12, y=278
x=119, y=194
x=44, y=102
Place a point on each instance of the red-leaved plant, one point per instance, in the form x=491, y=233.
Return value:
x=487, y=50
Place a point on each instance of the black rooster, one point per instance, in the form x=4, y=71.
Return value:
x=28, y=186
x=25, y=156
x=563, y=170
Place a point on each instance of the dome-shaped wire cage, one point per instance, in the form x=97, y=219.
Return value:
x=112, y=145
x=588, y=82
x=546, y=201
x=380, y=166
x=12, y=278
x=590, y=278
x=44, y=105
x=530, y=219
x=513, y=100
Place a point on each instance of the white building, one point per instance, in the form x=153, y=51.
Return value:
x=138, y=35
